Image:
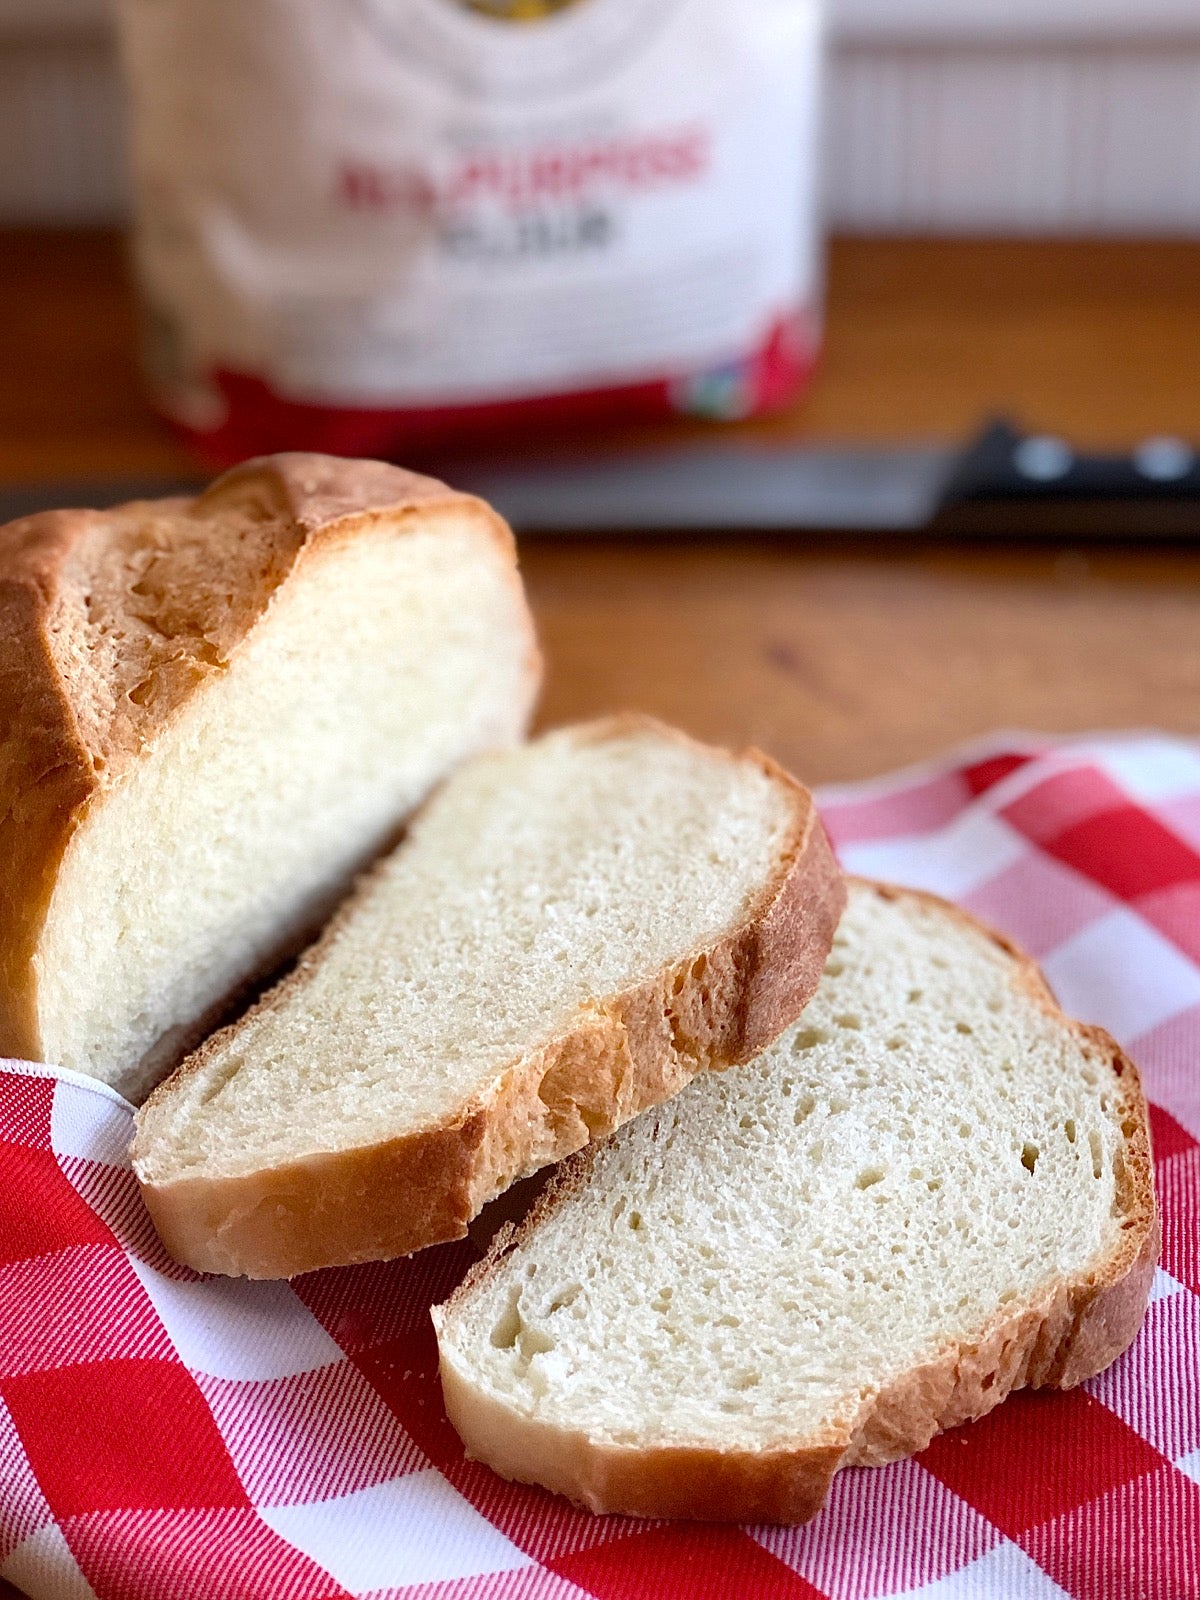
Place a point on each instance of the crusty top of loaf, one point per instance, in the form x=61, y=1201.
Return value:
x=133, y=607
x=110, y=620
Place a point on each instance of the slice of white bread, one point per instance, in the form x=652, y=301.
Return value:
x=215, y=712
x=931, y=1191
x=569, y=933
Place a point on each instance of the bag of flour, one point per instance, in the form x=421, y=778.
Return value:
x=382, y=226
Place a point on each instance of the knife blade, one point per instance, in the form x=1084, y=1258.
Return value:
x=722, y=488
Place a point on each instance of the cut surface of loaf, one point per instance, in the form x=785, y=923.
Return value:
x=933, y=1189
x=216, y=711
x=569, y=933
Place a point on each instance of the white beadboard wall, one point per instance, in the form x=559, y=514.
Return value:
x=61, y=156
x=1025, y=116
x=1055, y=137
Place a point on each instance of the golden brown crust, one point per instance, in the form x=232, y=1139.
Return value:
x=109, y=623
x=701, y=1485
x=1074, y=1330
x=717, y=1007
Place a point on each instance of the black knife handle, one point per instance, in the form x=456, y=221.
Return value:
x=1012, y=483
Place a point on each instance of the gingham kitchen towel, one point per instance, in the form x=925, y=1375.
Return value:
x=167, y=1437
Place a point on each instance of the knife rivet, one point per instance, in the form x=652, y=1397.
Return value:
x=1043, y=458
x=1164, y=459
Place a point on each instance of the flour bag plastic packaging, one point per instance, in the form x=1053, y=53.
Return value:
x=381, y=226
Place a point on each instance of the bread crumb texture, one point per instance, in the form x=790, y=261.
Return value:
x=537, y=884
x=756, y=1265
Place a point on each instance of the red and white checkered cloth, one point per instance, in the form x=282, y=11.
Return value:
x=167, y=1437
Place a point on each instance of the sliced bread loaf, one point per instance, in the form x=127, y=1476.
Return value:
x=569, y=933
x=214, y=712
x=933, y=1190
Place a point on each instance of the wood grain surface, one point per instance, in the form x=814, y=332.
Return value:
x=847, y=664
x=842, y=661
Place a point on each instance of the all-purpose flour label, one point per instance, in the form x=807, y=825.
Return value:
x=424, y=205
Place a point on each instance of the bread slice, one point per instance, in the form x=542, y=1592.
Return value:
x=570, y=932
x=214, y=713
x=931, y=1191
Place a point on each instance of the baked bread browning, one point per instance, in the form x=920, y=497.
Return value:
x=931, y=1191
x=214, y=712
x=570, y=932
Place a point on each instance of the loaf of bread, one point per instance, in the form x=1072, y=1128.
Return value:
x=214, y=713
x=932, y=1190
x=570, y=931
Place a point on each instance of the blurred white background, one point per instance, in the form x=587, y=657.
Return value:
x=1021, y=116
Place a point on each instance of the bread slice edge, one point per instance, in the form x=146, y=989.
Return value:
x=1072, y=1331
x=717, y=1006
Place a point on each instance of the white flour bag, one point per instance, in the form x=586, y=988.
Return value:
x=381, y=226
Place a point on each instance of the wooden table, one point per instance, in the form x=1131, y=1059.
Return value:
x=841, y=660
